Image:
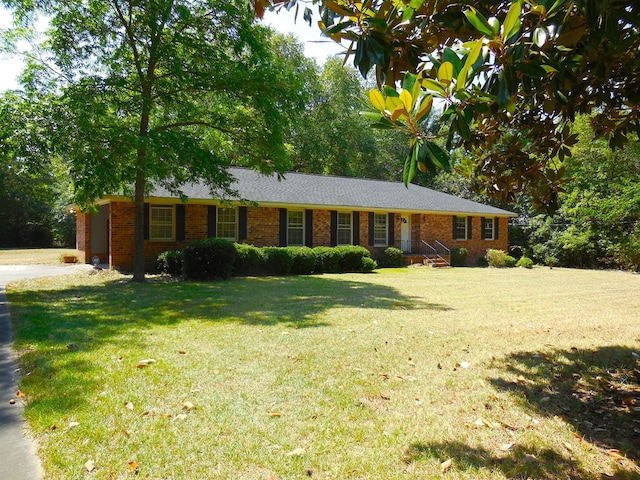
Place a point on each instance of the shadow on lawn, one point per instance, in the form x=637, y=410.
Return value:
x=545, y=464
x=51, y=325
x=596, y=391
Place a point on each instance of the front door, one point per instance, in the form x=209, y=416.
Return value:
x=405, y=233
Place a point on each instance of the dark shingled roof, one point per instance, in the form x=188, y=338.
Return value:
x=309, y=190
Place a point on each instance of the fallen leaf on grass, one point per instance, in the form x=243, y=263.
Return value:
x=74, y=424
x=520, y=380
x=149, y=414
x=298, y=452
x=182, y=352
x=166, y=415
x=568, y=446
x=180, y=417
x=129, y=406
x=274, y=414
x=481, y=422
x=12, y=401
x=446, y=465
x=508, y=446
x=133, y=466
x=20, y=394
x=615, y=454
x=145, y=362
x=187, y=405
x=89, y=466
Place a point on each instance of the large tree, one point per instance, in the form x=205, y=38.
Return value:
x=512, y=76
x=161, y=91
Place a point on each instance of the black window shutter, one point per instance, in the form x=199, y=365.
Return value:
x=334, y=228
x=496, y=228
x=455, y=221
x=308, y=228
x=469, y=227
x=283, y=227
x=483, y=228
x=180, y=223
x=242, y=223
x=356, y=228
x=372, y=217
x=392, y=230
x=146, y=221
x=211, y=221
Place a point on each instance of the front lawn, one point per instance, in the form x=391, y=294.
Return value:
x=401, y=374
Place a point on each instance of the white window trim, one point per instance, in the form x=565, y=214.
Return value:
x=153, y=238
x=466, y=224
x=386, y=230
x=493, y=229
x=218, y=223
x=338, y=229
x=301, y=227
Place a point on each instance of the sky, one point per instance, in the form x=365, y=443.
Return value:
x=316, y=46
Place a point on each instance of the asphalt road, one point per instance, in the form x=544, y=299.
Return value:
x=18, y=453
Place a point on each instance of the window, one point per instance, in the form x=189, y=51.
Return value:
x=488, y=229
x=344, y=228
x=161, y=223
x=295, y=228
x=227, y=224
x=461, y=228
x=380, y=237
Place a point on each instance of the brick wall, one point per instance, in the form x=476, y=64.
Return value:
x=263, y=230
x=263, y=226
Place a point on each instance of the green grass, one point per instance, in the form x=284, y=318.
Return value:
x=335, y=376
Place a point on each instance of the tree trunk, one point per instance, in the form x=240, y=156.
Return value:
x=138, y=256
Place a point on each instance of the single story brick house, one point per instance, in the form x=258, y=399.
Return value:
x=301, y=209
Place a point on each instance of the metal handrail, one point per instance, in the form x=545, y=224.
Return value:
x=435, y=252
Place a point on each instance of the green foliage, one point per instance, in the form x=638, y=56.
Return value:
x=368, y=265
x=208, y=259
x=249, y=260
x=509, y=261
x=459, y=257
x=509, y=95
x=134, y=95
x=351, y=257
x=628, y=251
x=170, y=262
x=277, y=260
x=304, y=260
x=524, y=262
x=391, y=257
x=551, y=261
x=327, y=260
x=496, y=258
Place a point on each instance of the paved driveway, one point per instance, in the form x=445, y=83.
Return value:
x=19, y=460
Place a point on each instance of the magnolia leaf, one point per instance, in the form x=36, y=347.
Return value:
x=435, y=86
x=187, y=405
x=446, y=465
x=478, y=21
x=180, y=417
x=392, y=103
x=425, y=107
x=445, y=73
x=407, y=100
x=129, y=406
x=145, y=362
x=133, y=465
x=512, y=21
x=20, y=394
x=182, y=352
x=377, y=100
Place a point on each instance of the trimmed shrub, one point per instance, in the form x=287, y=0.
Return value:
x=208, y=258
x=525, y=262
x=170, y=262
x=351, y=257
x=509, y=261
x=391, y=257
x=249, y=260
x=327, y=260
x=459, y=257
x=369, y=264
x=304, y=260
x=496, y=258
x=277, y=260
